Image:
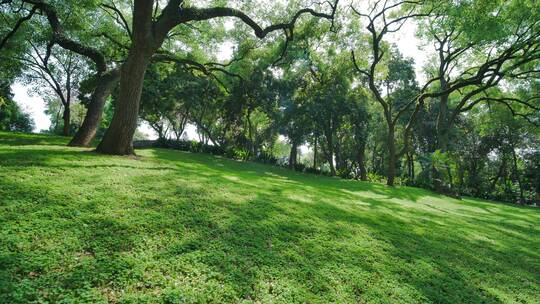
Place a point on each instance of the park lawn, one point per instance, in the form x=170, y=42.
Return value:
x=176, y=227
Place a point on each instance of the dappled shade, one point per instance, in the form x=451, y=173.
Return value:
x=176, y=226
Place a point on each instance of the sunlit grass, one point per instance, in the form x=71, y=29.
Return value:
x=174, y=227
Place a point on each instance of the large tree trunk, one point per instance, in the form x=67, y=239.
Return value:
x=67, y=119
x=92, y=119
x=443, y=125
x=391, y=156
x=119, y=136
x=442, y=134
x=147, y=38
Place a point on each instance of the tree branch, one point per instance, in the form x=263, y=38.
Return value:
x=65, y=42
x=120, y=18
x=17, y=26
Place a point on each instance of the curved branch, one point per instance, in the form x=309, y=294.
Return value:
x=121, y=19
x=514, y=113
x=206, y=68
x=64, y=41
x=198, y=14
x=17, y=26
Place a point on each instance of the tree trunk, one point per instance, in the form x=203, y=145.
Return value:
x=330, y=159
x=450, y=177
x=499, y=174
x=362, y=164
x=442, y=125
x=158, y=127
x=473, y=178
x=461, y=175
x=67, y=119
x=147, y=38
x=374, y=159
x=119, y=136
x=391, y=156
x=293, y=155
x=315, y=154
x=252, y=149
x=57, y=120
x=92, y=119
x=410, y=165
x=330, y=153
x=340, y=166
x=208, y=134
x=516, y=175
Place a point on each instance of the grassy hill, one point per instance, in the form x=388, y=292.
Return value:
x=175, y=227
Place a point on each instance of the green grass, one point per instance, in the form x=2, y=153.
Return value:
x=175, y=227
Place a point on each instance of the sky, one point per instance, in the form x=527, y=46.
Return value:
x=34, y=105
x=405, y=39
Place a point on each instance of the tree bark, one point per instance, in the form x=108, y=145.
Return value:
x=391, y=156
x=293, y=155
x=330, y=159
x=315, y=154
x=499, y=174
x=374, y=166
x=66, y=116
x=337, y=152
x=461, y=176
x=86, y=133
x=118, y=138
x=412, y=166
x=516, y=175
x=209, y=136
x=147, y=38
x=362, y=164
x=252, y=148
x=158, y=127
x=330, y=152
x=442, y=126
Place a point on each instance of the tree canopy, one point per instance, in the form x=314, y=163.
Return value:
x=327, y=80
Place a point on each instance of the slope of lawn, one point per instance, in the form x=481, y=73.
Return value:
x=174, y=227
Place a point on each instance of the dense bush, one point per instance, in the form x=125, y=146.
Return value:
x=13, y=118
x=183, y=145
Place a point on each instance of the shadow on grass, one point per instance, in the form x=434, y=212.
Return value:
x=205, y=229
x=332, y=186
x=21, y=139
